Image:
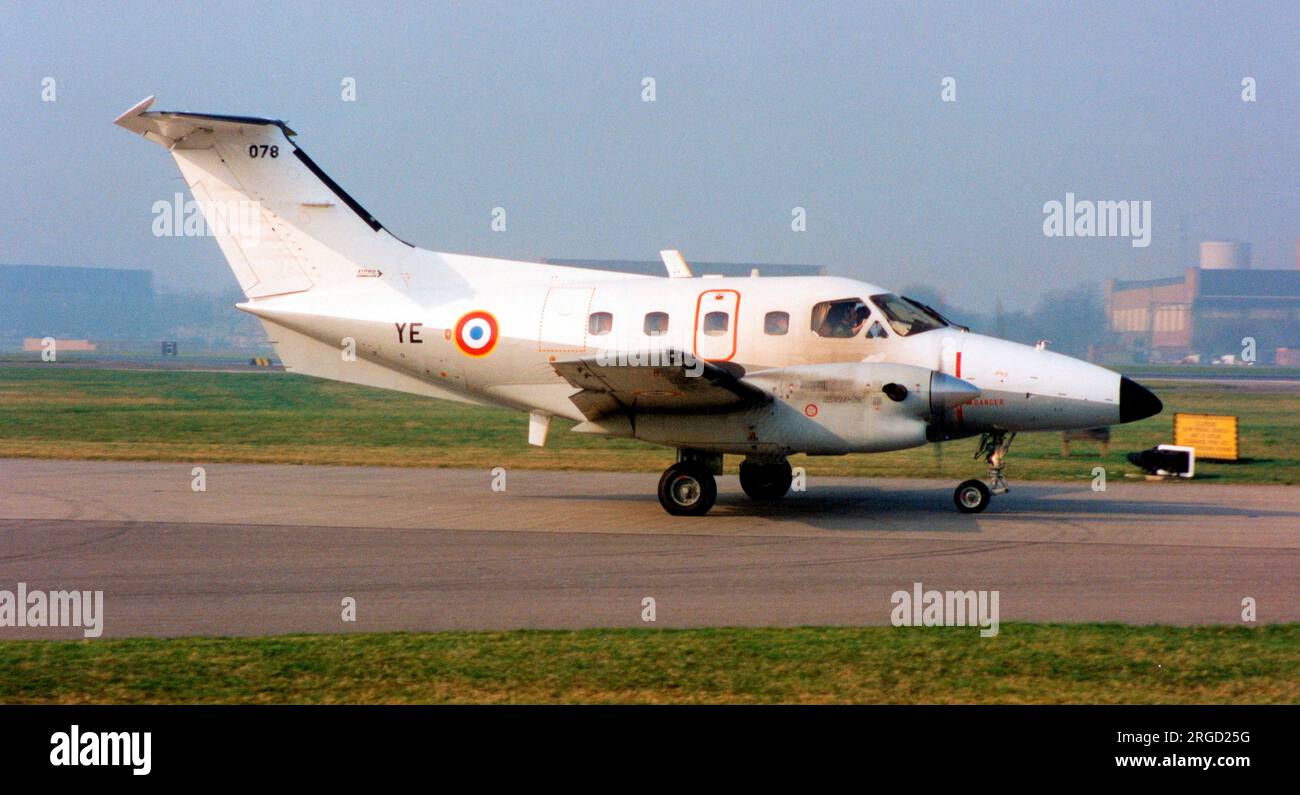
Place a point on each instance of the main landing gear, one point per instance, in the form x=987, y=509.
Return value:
x=973, y=496
x=766, y=480
x=688, y=488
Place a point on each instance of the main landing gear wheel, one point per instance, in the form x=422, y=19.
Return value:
x=972, y=496
x=765, y=480
x=687, y=488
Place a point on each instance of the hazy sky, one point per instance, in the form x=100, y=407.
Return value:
x=759, y=108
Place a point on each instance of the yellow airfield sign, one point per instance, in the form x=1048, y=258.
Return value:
x=1213, y=435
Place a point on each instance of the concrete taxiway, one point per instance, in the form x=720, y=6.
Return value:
x=273, y=549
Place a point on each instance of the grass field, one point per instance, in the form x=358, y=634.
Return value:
x=280, y=418
x=1026, y=663
x=1203, y=370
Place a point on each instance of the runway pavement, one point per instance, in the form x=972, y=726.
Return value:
x=274, y=549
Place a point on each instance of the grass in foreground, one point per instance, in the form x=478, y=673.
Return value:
x=1026, y=663
x=281, y=418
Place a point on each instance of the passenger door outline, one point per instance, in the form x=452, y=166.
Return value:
x=720, y=348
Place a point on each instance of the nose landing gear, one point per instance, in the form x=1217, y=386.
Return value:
x=973, y=496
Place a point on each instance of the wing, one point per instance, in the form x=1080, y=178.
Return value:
x=689, y=386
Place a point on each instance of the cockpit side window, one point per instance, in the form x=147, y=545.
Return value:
x=905, y=316
x=841, y=318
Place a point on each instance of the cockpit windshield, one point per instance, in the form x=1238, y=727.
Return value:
x=906, y=316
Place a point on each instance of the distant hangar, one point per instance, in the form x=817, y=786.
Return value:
x=1206, y=313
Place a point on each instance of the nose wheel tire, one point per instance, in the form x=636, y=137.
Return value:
x=972, y=496
x=687, y=488
x=765, y=481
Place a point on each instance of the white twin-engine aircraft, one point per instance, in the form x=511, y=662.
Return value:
x=759, y=367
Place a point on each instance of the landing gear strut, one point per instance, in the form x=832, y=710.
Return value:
x=687, y=488
x=972, y=496
x=765, y=480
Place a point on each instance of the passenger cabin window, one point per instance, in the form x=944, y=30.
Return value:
x=776, y=323
x=716, y=323
x=656, y=324
x=842, y=318
x=600, y=323
x=907, y=317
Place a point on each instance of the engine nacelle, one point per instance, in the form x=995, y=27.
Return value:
x=863, y=406
x=822, y=409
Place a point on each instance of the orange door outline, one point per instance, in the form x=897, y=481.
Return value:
x=735, y=323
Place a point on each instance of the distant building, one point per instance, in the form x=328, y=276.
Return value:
x=656, y=267
x=75, y=303
x=1208, y=311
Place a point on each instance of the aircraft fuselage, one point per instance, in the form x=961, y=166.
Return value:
x=534, y=324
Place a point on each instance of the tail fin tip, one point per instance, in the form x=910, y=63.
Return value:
x=127, y=119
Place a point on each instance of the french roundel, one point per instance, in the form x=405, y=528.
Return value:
x=476, y=334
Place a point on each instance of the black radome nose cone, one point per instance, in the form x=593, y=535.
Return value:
x=1136, y=402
